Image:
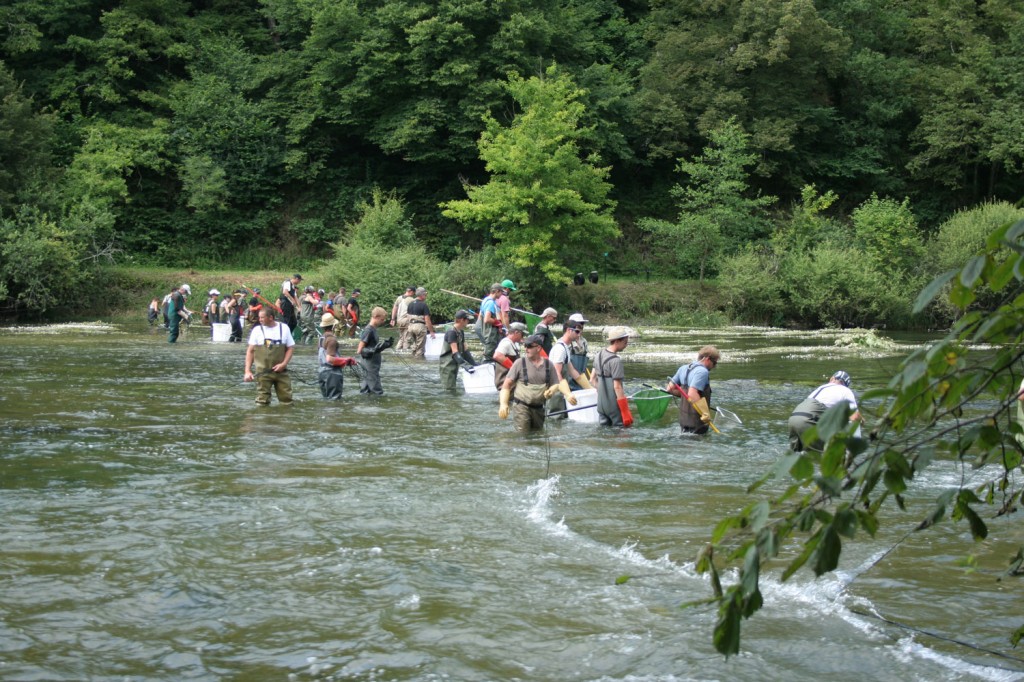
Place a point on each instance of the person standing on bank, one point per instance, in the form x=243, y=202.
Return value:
x=559, y=357
x=454, y=353
x=808, y=412
x=368, y=353
x=693, y=383
x=288, y=302
x=330, y=377
x=543, y=329
x=420, y=325
x=530, y=382
x=612, y=403
x=398, y=316
x=270, y=347
x=508, y=351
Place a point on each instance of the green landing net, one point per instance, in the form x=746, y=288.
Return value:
x=531, y=321
x=651, y=404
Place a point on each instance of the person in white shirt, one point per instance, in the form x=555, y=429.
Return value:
x=808, y=412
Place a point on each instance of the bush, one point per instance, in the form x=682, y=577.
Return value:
x=753, y=288
x=383, y=274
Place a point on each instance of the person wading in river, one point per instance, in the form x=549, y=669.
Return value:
x=330, y=377
x=693, y=383
x=530, y=382
x=808, y=412
x=368, y=353
x=508, y=351
x=454, y=353
x=612, y=403
x=270, y=347
x=566, y=370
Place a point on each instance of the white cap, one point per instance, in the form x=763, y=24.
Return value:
x=577, y=317
x=214, y=292
x=187, y=289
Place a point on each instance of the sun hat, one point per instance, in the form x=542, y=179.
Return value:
x=616, y=333
x=328, y=320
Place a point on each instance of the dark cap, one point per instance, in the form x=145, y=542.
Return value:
x=573, y=324
x=297, y=276
x=463, y=315
x=356, y=291
x=533, y=340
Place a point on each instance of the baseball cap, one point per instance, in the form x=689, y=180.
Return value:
x=297, y=276
x=187, y=289
x=509, y=284
x=842, y=377
x=518, y=327
x=549, y=311
x=616, y=333
x=214, y=292
x=573, y=324
x=533, y=340
x=577, y=317
x=463, y=315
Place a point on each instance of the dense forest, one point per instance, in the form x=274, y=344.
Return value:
x=775, y=146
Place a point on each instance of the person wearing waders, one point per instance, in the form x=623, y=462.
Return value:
x=235, y=308
x=176, y=311
x=488, y=324
x=612, y=403
x=530, y=382
x=418, y=314
x=693, y=383
x=288, y=302
x=508, y=351
x=399, y=312
x=368, y=353
x=566, y=371
x=578, y=350
x=330, y=377
x=543, y=329
x=270, y=347
x=307, y=323
x=454, y=353
x=808, y=412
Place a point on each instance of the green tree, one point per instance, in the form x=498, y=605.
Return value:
x=26, y=142
x=889, y=234
x=951, y=403
x=717, y=210
x=546, y=204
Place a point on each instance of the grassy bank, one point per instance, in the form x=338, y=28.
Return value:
x=126, y=292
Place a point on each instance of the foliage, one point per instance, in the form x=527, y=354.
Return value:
x=951, y=403
x=26, y=142
x=546, y=203
x=888, y=233
x=383, y=223
x=716, y=211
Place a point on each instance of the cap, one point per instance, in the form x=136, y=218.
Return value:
x=214, y=292
x=573, y=324
x=410, y=288
x=842, y=377
x=509, y=284
x=356, y=291
x=496, y=287
x=518, y=327
x=328, y=320
x=463, y=315
x=549, y=311
x=297, y=276
x=421, y=292
x=616, y=333
x=186, y=288
x=533, y=340
x=321, y=292
x=577, y=317
x=310, y=289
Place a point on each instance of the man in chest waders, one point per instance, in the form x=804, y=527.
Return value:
x=454, y=353
x=508, y=351
x=609, y=374
x=692, y=383
x=270, y=347
x=330, y=377
x=808, y=412
x=567, y=372
x=530, y=382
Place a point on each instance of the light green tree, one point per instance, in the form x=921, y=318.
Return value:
x=717, y=212
x=546, y=204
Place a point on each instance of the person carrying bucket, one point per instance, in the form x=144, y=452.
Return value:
x=270, y=348
x=454, y=353
x=508, y=351
x=693, y=383
x=808, y=412
x=578, y=351
x=559, y=357
x=612, y=403
x=530, y=382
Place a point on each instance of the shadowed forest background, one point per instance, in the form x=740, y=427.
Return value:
x=815, y=162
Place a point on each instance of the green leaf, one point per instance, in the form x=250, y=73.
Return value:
x=834, y=420
x=758, y=515
x=931, y=291
x=801, y=559
x=724, y=526
x=726, y=637
x=826, y=557
x=868, y=521
x=972, y=271
x=622, y=580
x=802, y=469
x=845, y=522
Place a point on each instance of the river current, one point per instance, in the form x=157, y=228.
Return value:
x=157, y=525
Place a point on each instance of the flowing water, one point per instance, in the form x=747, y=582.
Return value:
x=158, y=525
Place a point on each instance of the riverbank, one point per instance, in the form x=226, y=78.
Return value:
x=126, y=292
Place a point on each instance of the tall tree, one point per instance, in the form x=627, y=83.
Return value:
x=546, y=203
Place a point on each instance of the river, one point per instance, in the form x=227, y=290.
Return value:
x=157, y=525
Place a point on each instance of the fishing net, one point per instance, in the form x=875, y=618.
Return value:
x=651, y=404
x=531, y=321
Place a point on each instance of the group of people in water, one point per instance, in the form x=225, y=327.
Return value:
x=536, y=373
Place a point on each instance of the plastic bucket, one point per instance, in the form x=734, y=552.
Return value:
x=433, y=347
x=480, y=381
x=651, y=404
x=584, y=397
x=221, y=332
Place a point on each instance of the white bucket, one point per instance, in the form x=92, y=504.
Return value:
x=588, y=397
x=221, y=332
x=480, y=381
x=433, y=347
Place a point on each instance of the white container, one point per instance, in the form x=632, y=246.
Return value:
x=480, y=381
x=433, y=347
x=221, y=332
x=588, y=397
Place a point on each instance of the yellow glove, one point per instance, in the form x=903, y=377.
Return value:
x=503, y=398
x=563, y=386
x=583, y=381
x=550, y=391
x=701, y=405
